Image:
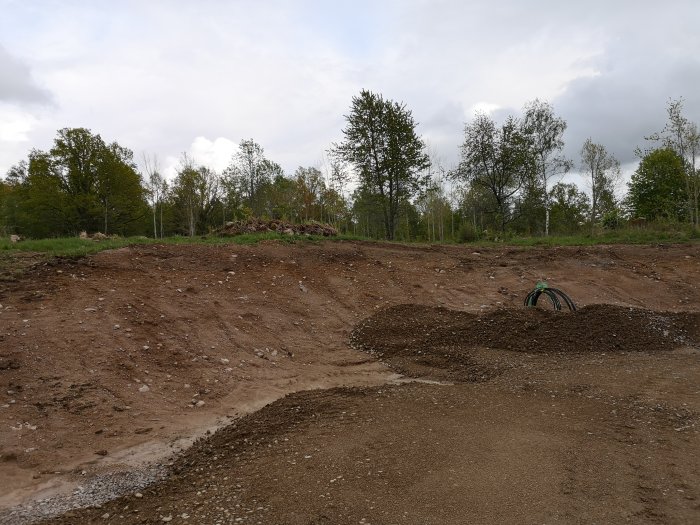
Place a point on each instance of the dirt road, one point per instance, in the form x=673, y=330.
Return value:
x=122, y=357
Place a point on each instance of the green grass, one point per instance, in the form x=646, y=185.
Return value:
x=622, y=236
x=75, y=247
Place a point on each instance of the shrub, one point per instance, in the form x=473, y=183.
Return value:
x=467, y=233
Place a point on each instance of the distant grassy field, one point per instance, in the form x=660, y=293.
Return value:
x=76, y=247
x=622, y=236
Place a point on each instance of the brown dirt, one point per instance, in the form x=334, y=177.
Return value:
x=434, y=342
x=566, y=431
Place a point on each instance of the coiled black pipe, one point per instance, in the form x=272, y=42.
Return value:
x=554, y=295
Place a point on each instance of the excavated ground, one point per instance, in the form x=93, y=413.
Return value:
x=529, y=416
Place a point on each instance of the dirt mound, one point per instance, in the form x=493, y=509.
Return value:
x=429, y=454
x=439, y=342
x=237, y=326
x=254, y=225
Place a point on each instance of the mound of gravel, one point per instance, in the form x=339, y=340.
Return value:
x=433, y=337
x=92, y=493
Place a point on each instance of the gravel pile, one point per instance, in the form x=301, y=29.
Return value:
x=96, y=491
x=413, y=339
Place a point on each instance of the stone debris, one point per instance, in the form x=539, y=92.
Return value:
x=254, y=225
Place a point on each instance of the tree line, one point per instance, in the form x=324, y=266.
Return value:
x=380, y=181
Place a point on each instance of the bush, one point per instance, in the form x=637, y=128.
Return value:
x=467, y=233
x=612, y=220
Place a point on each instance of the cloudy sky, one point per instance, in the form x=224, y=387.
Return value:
x=165, y=77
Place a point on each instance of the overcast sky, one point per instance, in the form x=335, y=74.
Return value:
x=164, y=77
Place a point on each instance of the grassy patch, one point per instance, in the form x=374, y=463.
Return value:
x=76, y=247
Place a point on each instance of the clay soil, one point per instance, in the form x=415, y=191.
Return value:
x=356, y=383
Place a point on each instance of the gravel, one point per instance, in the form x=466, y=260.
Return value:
x=93, y=493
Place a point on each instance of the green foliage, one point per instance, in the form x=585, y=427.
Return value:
x=80, y=184
x=196, y=197
x=249, y=175
x=657, y=189
x=570, y=208
x=545, y=131
x=603, y=171
x=499, y=160
x=388, y=156
x=501, y=185
x=612, y=220
x=467, y=233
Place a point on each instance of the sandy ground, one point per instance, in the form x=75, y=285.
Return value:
x=124, y=357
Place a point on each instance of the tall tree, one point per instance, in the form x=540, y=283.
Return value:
x=381, y=143
x=196, y=192
x=101, y=185
x=546, y=132
x=603, y=171
x=252, y=171
x=119, y=190
x=498, y=159
x=156, y=187
x=681, y=135
x=657, y=189
x=310, y=187
x=570, y=207
x=10, y=198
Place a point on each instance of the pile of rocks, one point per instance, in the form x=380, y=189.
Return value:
x=254, y=225
x=97, y=236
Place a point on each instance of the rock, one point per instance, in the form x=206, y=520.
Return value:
x=224, y=361
x=138, y=495
x=144, y=388
x=105, y=516
x=199, y=403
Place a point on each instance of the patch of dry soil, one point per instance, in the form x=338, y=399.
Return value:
x=118, y=359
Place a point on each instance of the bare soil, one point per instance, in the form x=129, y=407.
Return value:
x=518, y=415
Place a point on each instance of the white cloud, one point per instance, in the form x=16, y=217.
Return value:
x=484, y=107
x=171, y=76
x=215, y=153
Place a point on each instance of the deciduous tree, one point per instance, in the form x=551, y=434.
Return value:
x=657, y=189
x=546, y=132
x=603, y=172
x=388, y=157
x=498, y=159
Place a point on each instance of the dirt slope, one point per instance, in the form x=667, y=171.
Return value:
x=110, y=360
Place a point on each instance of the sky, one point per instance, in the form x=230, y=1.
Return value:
x=166, y=77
